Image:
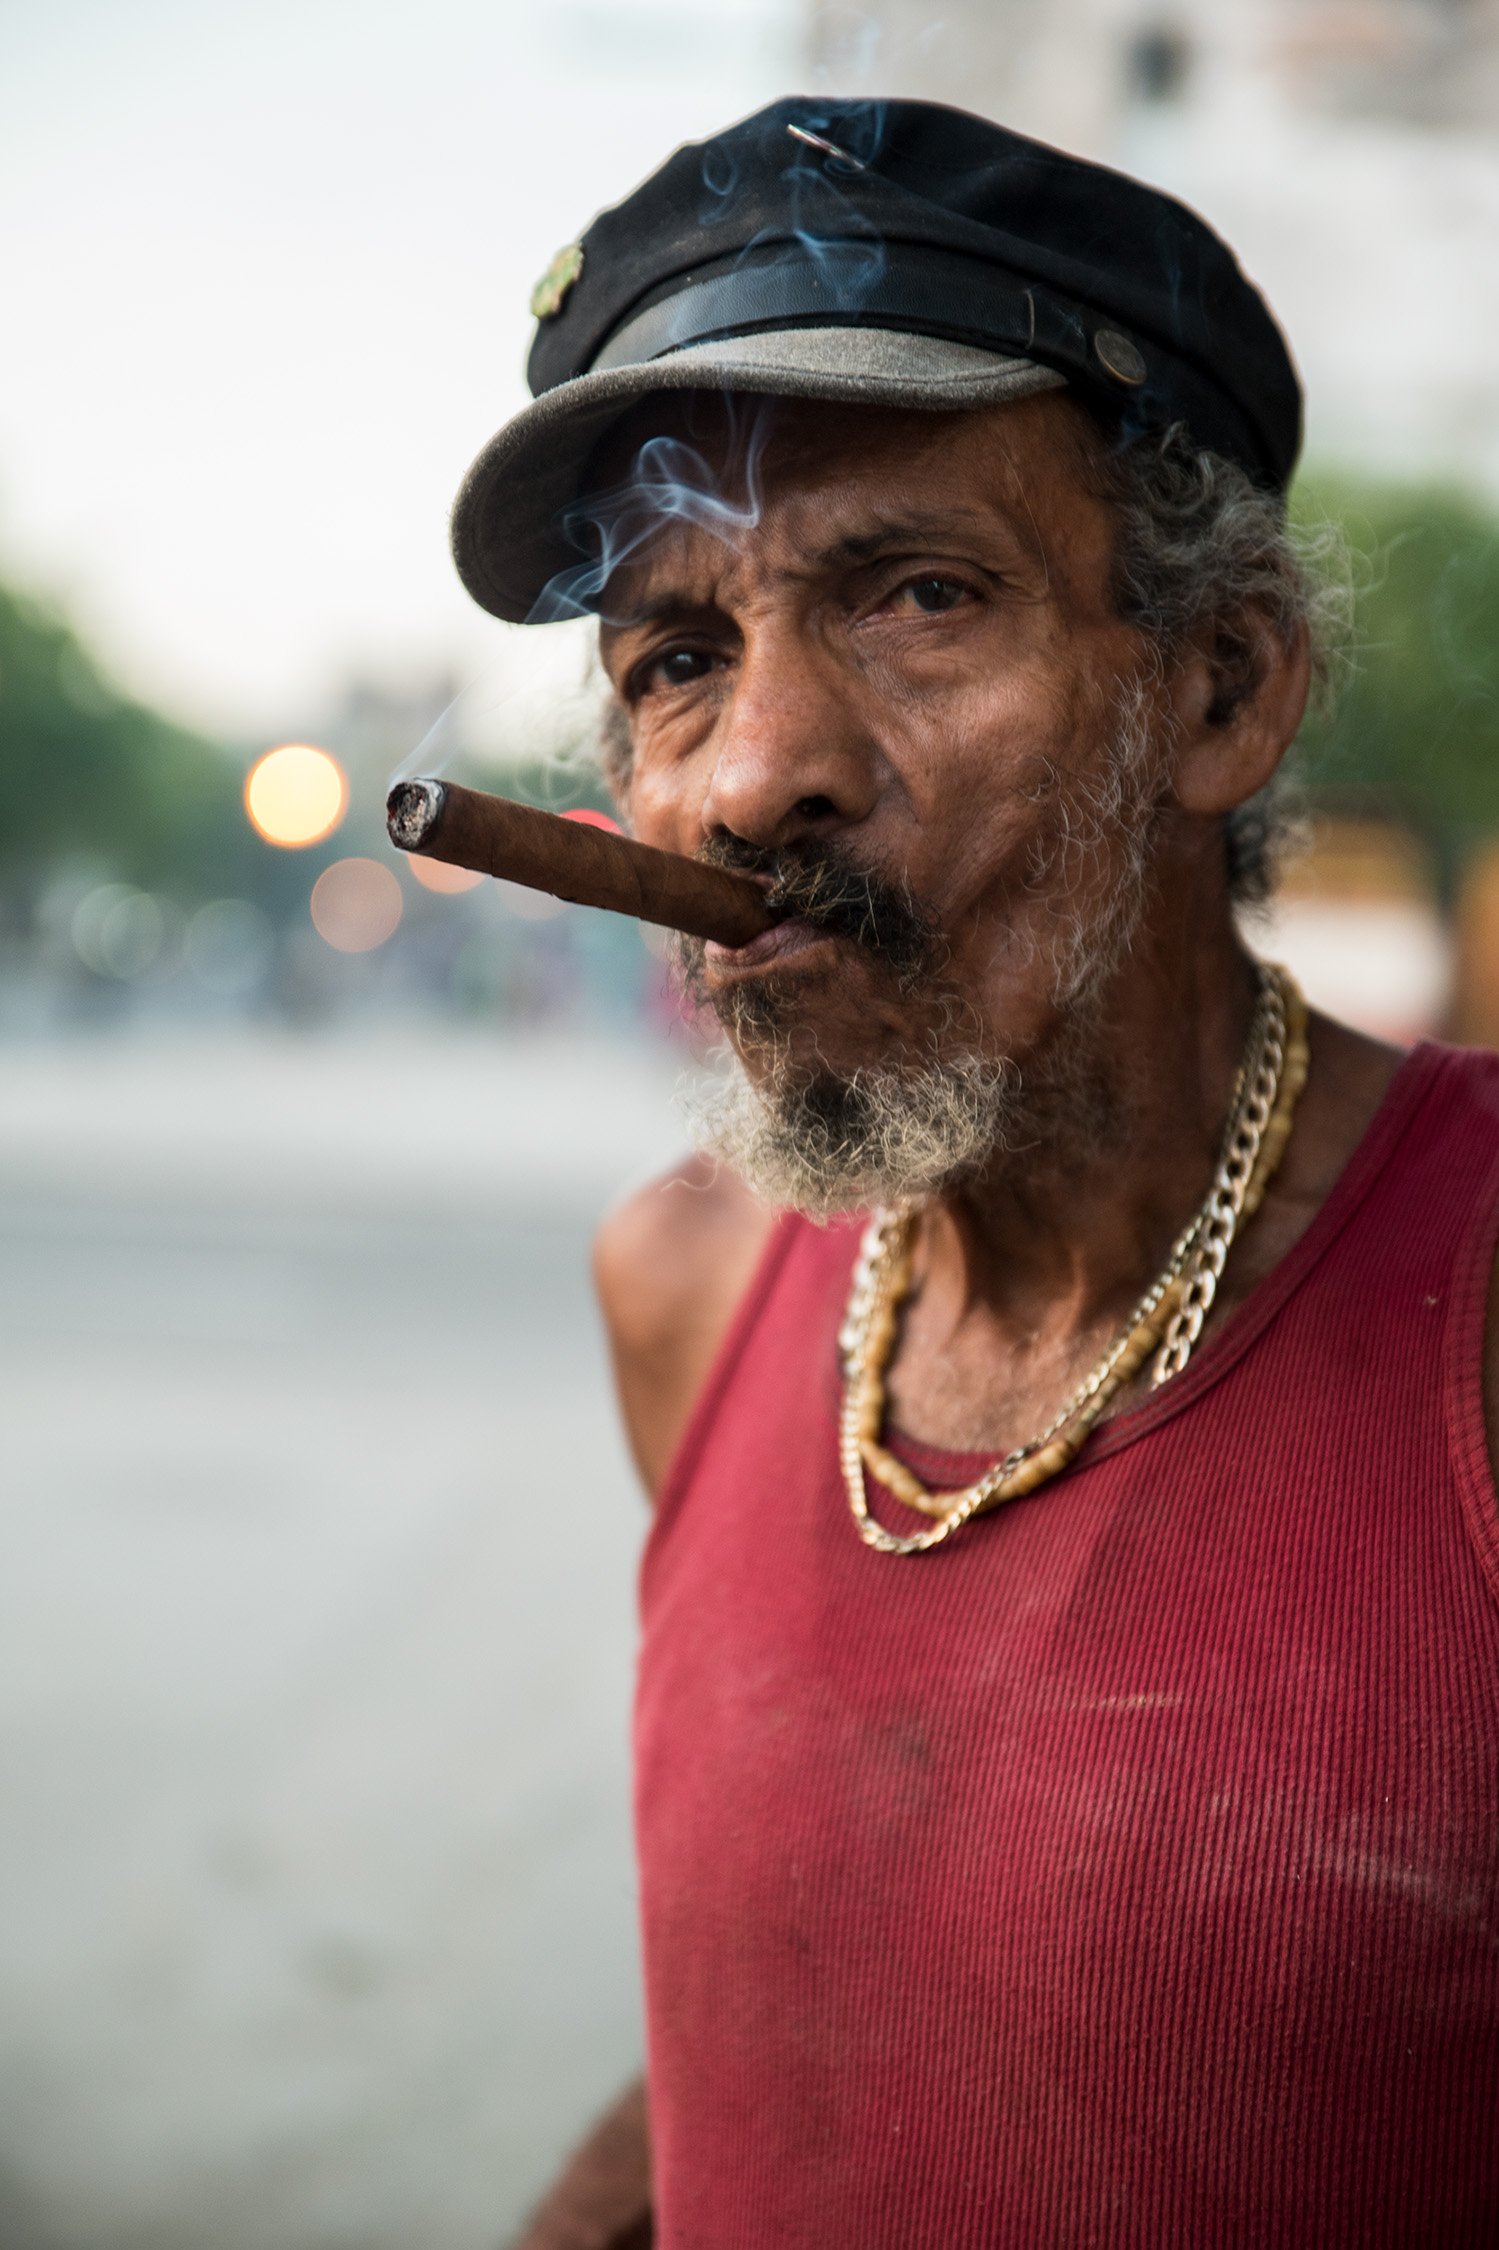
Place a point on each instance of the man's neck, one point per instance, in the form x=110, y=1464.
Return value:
x=1124, y=1130
x=1022, y=1277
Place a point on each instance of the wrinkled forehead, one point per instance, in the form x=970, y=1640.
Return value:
x=702, y=472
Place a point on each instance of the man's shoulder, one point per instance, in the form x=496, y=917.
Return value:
x=666, y=1246
x=671, y=1262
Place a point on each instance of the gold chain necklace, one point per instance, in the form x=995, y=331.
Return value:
x=1167, y=1321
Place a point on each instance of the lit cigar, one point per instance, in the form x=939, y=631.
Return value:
x=589, y=866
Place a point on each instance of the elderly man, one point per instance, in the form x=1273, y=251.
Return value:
x=1068, y=1723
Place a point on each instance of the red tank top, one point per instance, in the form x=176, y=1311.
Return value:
x=1127, y=1872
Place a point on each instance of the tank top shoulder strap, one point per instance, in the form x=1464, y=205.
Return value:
x=796, y=1256
x=1470, y=1139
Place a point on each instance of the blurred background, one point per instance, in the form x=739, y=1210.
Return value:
x=316, y=1538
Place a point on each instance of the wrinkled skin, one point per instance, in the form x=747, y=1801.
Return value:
x=916, y=653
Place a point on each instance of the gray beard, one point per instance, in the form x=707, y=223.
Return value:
x=822, y=1144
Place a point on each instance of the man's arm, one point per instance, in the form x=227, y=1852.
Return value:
x=670, y=1265
x=602, y=2200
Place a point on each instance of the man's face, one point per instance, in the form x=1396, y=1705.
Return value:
x=895, y=652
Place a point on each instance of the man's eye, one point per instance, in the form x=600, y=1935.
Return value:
x=933, y=595
x=676, y=667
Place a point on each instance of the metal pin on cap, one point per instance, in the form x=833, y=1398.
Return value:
x=1124, y=360
x=826, y=148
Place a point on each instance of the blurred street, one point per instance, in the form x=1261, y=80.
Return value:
x=316, y=1584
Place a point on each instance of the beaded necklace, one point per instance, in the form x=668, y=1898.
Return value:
x=1167, y=1321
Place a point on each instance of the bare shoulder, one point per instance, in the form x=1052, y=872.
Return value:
x=670, y=1265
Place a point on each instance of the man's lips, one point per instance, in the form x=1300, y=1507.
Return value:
x=781, y=943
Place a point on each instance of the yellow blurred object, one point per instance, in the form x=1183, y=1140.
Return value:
x=296, y=795
x=1475, y=1008
x=1349, y=858
x=356, y=905
x=436, y=875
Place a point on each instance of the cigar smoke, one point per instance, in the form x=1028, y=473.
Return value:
x=670, y=481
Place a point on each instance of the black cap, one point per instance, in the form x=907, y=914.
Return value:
x=895, y=252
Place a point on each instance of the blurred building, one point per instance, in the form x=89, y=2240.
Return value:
x=1349, y=149
x=1081, y=71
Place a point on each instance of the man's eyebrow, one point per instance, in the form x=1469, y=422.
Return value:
x=672, y=606
x=904, y=531
x=854, y=547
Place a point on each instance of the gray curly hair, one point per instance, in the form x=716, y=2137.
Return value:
x=1203, y=551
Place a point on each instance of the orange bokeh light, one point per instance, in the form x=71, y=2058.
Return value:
x=296, y=795
x=436, y=875
x=586, y=817
x=355, y=905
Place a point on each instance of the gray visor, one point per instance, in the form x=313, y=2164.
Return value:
x=508, y=537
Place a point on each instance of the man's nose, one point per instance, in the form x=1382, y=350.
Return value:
x=789, y=753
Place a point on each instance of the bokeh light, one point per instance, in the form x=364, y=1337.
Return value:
x=356, y=905
x=296, y=795
x=228, y=946
x=119, y=931
x=436, y=875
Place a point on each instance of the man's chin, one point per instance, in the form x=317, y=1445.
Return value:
x=816, y=1138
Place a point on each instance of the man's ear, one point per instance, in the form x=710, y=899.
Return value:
x=1237, y=704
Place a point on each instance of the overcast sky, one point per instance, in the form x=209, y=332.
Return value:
x=266, y=274
x=266, y=271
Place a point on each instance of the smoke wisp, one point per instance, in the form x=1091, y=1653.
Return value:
x=670, y=481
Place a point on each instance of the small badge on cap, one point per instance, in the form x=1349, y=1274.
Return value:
x=1119, y=357
x=550, y=294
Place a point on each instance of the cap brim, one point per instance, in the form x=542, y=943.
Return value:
x=508, y=537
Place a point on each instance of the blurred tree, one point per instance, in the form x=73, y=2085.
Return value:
x=87, y=775
x=1415, y=731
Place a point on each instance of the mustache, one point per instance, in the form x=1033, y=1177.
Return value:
x=823, y=884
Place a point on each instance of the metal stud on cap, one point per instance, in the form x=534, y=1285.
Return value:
x=1119, y=357
x=826, y=148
